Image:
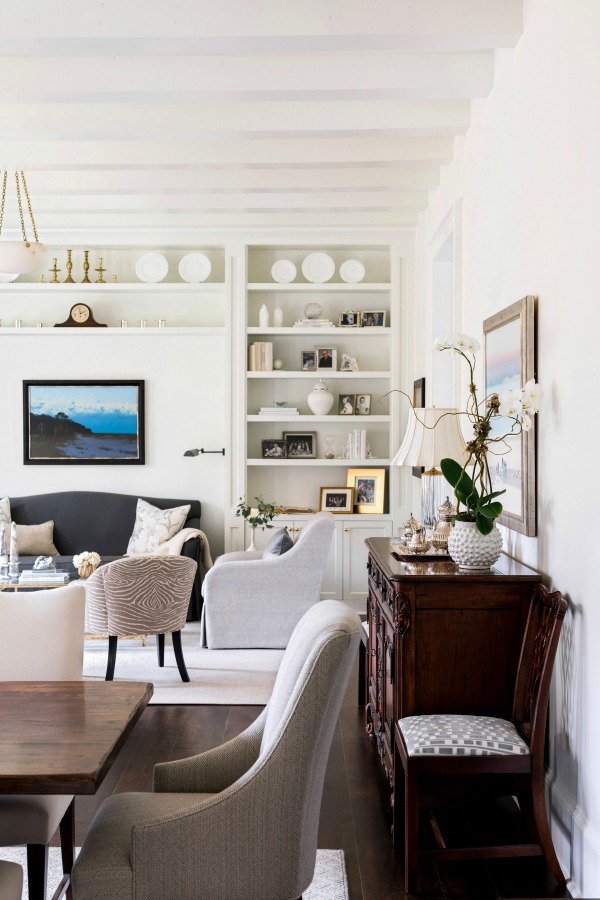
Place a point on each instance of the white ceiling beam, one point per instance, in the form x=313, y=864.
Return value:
x=79, y=121
x=162, y=181
x=126, y=79
x=41, y=153
x=244, y=20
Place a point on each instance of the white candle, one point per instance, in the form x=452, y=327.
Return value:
x=14, y=555
x=3, y=553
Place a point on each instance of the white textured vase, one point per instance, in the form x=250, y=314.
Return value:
x=473, y=550
x=278, y=317
x=263, y=316
x=251, y=546
x=320, y=399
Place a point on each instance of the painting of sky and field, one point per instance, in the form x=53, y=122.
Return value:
x=503, y=372
x=84, y=422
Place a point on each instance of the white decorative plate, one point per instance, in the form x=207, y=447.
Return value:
x=318, y=267
x=283, y=271
x=352, y=271
x=151, y=267
x=195, y=267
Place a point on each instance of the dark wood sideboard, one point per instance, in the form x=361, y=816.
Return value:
x=440, y=640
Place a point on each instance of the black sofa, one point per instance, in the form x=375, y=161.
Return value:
x=94, y=520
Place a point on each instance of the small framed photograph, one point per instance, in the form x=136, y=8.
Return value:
x=300, y=444
x=346, y=404
x=326, y=358
x=363, y=405
x=337, y=500
x=369, y=489
x=372, y=318
x=308, y=360
x=273, y=448
x=350, y=319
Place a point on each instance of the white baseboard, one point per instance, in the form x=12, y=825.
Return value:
x=576, y=842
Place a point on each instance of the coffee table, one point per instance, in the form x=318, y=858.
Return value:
x=12, y=584
x=61, y=737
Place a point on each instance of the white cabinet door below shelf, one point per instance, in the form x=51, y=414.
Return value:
x=331, y=589
x=354, y=582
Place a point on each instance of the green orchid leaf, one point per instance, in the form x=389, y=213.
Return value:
x=491, y=496
x=490, y=510
x=484, y=525
x=454, y=472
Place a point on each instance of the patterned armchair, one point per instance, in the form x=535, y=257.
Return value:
x=141, y=595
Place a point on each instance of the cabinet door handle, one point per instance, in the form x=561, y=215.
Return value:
x=346, y=529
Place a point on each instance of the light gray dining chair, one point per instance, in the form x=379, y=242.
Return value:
x=41, y=639
x=239, y=822
x=11, y=880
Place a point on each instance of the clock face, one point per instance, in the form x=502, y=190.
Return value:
x=80, y=312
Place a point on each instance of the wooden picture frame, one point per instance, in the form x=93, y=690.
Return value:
x=337, y=500
x=418, y=403
x=83, y=423
x=308, y=360
x=509, y=362
x=369, y=489
x=346, y=404
x=362, y=406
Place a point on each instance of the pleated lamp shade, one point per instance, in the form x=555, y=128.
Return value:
x=431, y=437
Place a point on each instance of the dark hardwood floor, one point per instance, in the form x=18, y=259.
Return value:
x=355, y=815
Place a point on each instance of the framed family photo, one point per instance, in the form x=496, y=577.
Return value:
x=350, y=319
x=363, y=405
x=337, y=500
x=346, y=404
x=308, y=360
x=273, y=448
x=300, y=444
x=83, y=423
x=509, y=362
x=369, y=489
x=326, y=358
x=372, y=318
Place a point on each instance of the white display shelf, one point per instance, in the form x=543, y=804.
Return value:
x=173, y=287
x=310, y=418
x=318, y=373
x=335, y=329
x=352, y=463
x=123, y=332
x=361, y=287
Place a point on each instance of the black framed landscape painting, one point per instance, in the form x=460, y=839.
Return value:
x=83, y=422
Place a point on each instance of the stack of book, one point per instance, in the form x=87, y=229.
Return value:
x=313, y=323
x=43, y=576
x=260, y=356
x=278, y=411
x=356, y=444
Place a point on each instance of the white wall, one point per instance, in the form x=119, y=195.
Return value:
x=185, y=408
x=527, y=173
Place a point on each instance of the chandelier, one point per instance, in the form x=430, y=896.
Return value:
x=18, y=257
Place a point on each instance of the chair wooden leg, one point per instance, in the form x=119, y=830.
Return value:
x=537, y=809
x=67, y=842
x=112, y=657
x=37, y=870
x=411, y=832
x=160, y=649
x=176, y=635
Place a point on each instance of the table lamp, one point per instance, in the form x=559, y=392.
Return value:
x=432, y=434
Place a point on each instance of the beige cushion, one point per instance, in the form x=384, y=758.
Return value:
x=36, y=540
x=154, y=526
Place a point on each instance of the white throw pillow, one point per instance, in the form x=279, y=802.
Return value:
x=153, y=526
x=5, y=511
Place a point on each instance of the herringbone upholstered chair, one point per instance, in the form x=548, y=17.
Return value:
x=141, y=595
x=238, y=822
x=41, y=639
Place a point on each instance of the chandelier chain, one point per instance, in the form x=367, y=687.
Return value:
x=35, y=234
x=21, y=209
x=3, y=200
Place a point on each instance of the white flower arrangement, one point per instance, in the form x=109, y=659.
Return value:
x=86, y=558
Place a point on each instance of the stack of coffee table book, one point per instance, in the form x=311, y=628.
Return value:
x=43, y=576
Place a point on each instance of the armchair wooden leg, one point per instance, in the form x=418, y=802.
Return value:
x=544, y=836
x=160, y=650
x=179, y=656
x=112, y=657
x=67, y=842
x=411, y=833
x=37, y=870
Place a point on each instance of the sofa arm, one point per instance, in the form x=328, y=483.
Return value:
x=96, y=614
x=238, y=556
x=193, y=550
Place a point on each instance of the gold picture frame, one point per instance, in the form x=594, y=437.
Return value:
x=369, y=489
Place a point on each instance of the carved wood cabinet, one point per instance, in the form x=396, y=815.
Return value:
x=440, y=640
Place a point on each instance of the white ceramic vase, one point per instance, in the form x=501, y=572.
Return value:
x=472, y=550
x=278, y=317
x=320, y=399
x=251, y=546
x=263, y=316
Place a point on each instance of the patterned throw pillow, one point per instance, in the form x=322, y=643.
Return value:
x=153, y=526
x=279, y=544
x=5, y=510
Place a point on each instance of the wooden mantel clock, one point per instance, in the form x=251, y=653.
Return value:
x=81, y=316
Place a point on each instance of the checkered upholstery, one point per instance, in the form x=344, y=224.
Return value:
x=446, y=735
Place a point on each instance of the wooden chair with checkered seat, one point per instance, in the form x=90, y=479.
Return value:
x=430, y=746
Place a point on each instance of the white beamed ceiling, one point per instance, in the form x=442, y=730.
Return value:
x=141, y=114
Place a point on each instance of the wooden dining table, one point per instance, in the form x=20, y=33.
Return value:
x=61, y=737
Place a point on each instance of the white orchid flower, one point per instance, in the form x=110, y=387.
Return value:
x=526, y=422
x=441, y=343
x=466, y=342
x=532, y=393
x=511, y=403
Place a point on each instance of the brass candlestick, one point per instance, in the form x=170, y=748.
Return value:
x=55, y=272
x=114, y=279
x=86, y=267
x=100, y=270
x=41, y=279
x=69, y=279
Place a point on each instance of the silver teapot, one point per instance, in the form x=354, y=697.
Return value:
x=443, y=526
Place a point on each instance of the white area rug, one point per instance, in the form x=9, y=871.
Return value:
x=329, y=883
x=230, y=677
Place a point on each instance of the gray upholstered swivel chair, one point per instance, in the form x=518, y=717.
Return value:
x=41, y=639
x=250, y=601
x=238, y=822
x=141, y=595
